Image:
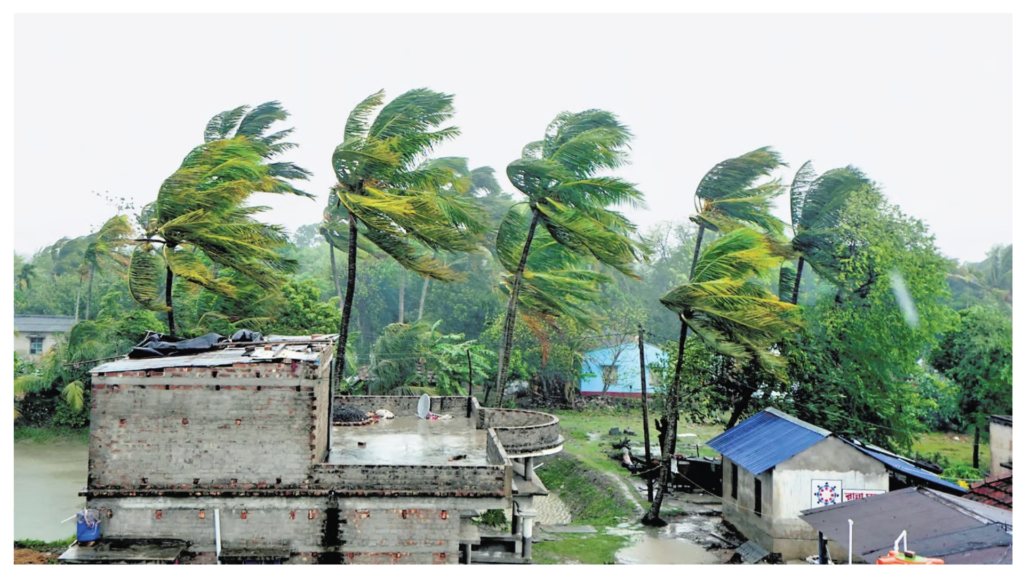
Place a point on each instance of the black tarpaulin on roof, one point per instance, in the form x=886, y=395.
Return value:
x=155, y=344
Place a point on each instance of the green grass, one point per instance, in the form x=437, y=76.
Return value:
x=592, y=497
x=50, y=434
x=957, y=452
x=582, y=548
x=54, y=547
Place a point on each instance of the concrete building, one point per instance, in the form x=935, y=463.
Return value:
x=618, y=367
x=775, y=466
x=230, y=455
x=34, y=335
x=1000, y=443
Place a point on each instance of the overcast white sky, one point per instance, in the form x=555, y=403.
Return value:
x=921, y=103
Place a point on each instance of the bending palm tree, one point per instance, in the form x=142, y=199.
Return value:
x=388, y=195
x=816, y=203
x=724, y=306
x=569, y=201
x=103, y=246
x=201, y=210
x=727, y=196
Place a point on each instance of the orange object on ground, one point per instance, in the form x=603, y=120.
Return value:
x=907, y=558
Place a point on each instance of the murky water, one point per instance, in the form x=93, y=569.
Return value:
x=47, y=478
x=654, y=550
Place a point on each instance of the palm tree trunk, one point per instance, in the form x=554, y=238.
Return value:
x=796, y=283
x=401, y=296
x=346, y=309
x=505, y=346
x=977, y=444
x=168, y=301
x=78, y=298
x=334, y=272
x=696, y=251
x=88, y=293
x=653, y=515
x=423, y=298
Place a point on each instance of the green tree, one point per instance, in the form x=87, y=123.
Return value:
x=816, y=205
x=304, y=313
x=731, y=312
x=202, y=210
x=570, y=199
x=978, y=356
x=389, y=195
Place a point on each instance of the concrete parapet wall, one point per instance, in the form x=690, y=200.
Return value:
x=421, y=480
x=405, y=405
x=522, y=431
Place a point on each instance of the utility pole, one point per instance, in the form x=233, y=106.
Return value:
x=643, y=404
x=469, y=399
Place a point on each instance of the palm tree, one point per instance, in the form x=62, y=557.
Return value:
x=729, y=196
x=485, y=188
x=26, y=275
x=200, y=216
x=725, y=306
x=103, y=246
x=569, y=200
x=389, y=195
x=816, y=204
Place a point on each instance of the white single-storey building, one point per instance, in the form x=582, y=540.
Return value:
x=35, y=335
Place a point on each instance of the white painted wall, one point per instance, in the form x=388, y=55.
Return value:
x=21, y=344
x=1000, y=445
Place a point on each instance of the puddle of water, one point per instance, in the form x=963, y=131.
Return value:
x=651, y=549
x=47, y=478
x=594, y=436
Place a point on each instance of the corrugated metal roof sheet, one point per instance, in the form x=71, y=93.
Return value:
x=767, y=439
x=909, y=469
x=30, y=323
x=938, y=525
x=224, y=357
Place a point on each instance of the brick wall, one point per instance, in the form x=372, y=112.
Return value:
x=396, y=480
x=405, y=405
x=241, y=426
x=296, y=526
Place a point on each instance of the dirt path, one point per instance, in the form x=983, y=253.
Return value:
x=26, y=556
x=625, y=488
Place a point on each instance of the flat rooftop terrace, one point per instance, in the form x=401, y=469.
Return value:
x=410, y=441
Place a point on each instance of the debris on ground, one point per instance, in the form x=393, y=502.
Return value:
x=385, y=414
x=615, y=432
x=629, y=432
x=348, y=414
x=28, y=556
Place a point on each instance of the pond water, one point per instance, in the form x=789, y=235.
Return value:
x=47, y=478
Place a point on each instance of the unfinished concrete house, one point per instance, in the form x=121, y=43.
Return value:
x=230, y=456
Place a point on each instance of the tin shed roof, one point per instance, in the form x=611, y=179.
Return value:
x=938, y=525
x=767, y=439
x=30, y=323
x=894, y=463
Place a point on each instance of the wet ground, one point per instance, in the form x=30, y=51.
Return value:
x=410, y=441
x=47, y=478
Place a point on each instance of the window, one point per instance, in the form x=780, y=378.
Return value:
x=610, y=375
x=35, y=345
x=757, y=496
x=734, y=480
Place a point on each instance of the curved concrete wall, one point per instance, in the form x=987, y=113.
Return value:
x=522, y=431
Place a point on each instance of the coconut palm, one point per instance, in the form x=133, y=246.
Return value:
x=725, y=306
x=729, y=195
x=104, y=247
x=26, y=275
x=390, y=194
x=201, y=217
x=570, y=200
x=816, y=204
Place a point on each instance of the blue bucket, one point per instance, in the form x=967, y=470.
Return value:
x=88, y=526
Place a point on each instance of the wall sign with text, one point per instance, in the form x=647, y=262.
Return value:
x=858, y=494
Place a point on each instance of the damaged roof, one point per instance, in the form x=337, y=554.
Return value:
x=272, y=349
x=892, y=462
x=767, y=439
x=938, y=526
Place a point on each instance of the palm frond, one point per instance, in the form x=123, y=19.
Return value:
x=144, y=279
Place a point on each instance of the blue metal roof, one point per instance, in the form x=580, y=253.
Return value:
x=767, y=439
x=908, y=468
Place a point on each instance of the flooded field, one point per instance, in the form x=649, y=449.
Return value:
x=47, y=478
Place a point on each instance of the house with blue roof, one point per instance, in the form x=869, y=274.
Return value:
x=775, y=465
x=615, y=370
